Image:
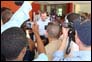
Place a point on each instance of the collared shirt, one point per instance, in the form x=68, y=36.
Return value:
x=19, y=17
x=77, y=56
x=42, y=25
x=73, y=45
x=41, y=57
x=52, y=47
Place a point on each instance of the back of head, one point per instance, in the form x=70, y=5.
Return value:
x=6, y=14
x=72, y=16
x=84, y=33
x=13, y=40
x=53, y=30
x=83, y=30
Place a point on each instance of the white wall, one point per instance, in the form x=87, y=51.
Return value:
x=86, y=7
x=48, y=8
x=42, y=7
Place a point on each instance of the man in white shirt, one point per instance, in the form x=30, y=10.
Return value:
x=42, y=22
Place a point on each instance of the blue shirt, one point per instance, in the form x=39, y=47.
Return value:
x=77, y=56
x=19, y=17
x=41, y=57
x=42, y=25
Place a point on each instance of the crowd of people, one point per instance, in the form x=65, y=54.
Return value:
x=44, y=40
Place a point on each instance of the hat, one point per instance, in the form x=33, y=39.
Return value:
x=84, y=31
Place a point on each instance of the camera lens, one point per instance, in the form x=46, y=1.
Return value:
x=28, y=25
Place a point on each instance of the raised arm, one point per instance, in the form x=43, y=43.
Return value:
x=40, y=45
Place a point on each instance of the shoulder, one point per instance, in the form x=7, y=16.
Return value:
x=42, y=57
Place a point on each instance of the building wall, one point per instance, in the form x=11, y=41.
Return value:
x=83, y=8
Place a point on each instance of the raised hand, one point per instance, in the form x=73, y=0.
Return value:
x=35, y=27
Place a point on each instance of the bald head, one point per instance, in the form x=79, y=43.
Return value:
x=53, y=30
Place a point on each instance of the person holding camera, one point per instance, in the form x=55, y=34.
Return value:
x=82, y=39
x=13, y=45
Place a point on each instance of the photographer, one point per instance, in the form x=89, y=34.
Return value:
x=13, y=40
x=14, y=43
x=71, y=20
x=40, y=46
x=82, y=39
x=27, y=28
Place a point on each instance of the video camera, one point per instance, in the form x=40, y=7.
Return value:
x=28, y=24
x=71, y=33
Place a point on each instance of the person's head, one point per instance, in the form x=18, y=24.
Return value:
x=84, y=16
x=43, y=16
x=53, y=30
x=83, y=35
x=6, y=14
x=72, y=16
x=13, y=44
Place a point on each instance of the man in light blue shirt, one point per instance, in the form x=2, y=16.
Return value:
x=42, y=22
x=82, y=39
x=77, y=56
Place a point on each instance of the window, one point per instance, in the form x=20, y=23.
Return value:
x=59, y=11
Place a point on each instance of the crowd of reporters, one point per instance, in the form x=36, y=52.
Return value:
x=44, y=40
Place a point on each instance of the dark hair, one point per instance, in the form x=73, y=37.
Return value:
x=4, y=8
x=42, y=12
x=13, y=40
x=72, y=16
x=6, y=14
x=19, y=3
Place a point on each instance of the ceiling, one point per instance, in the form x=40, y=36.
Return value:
x=61, y=2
